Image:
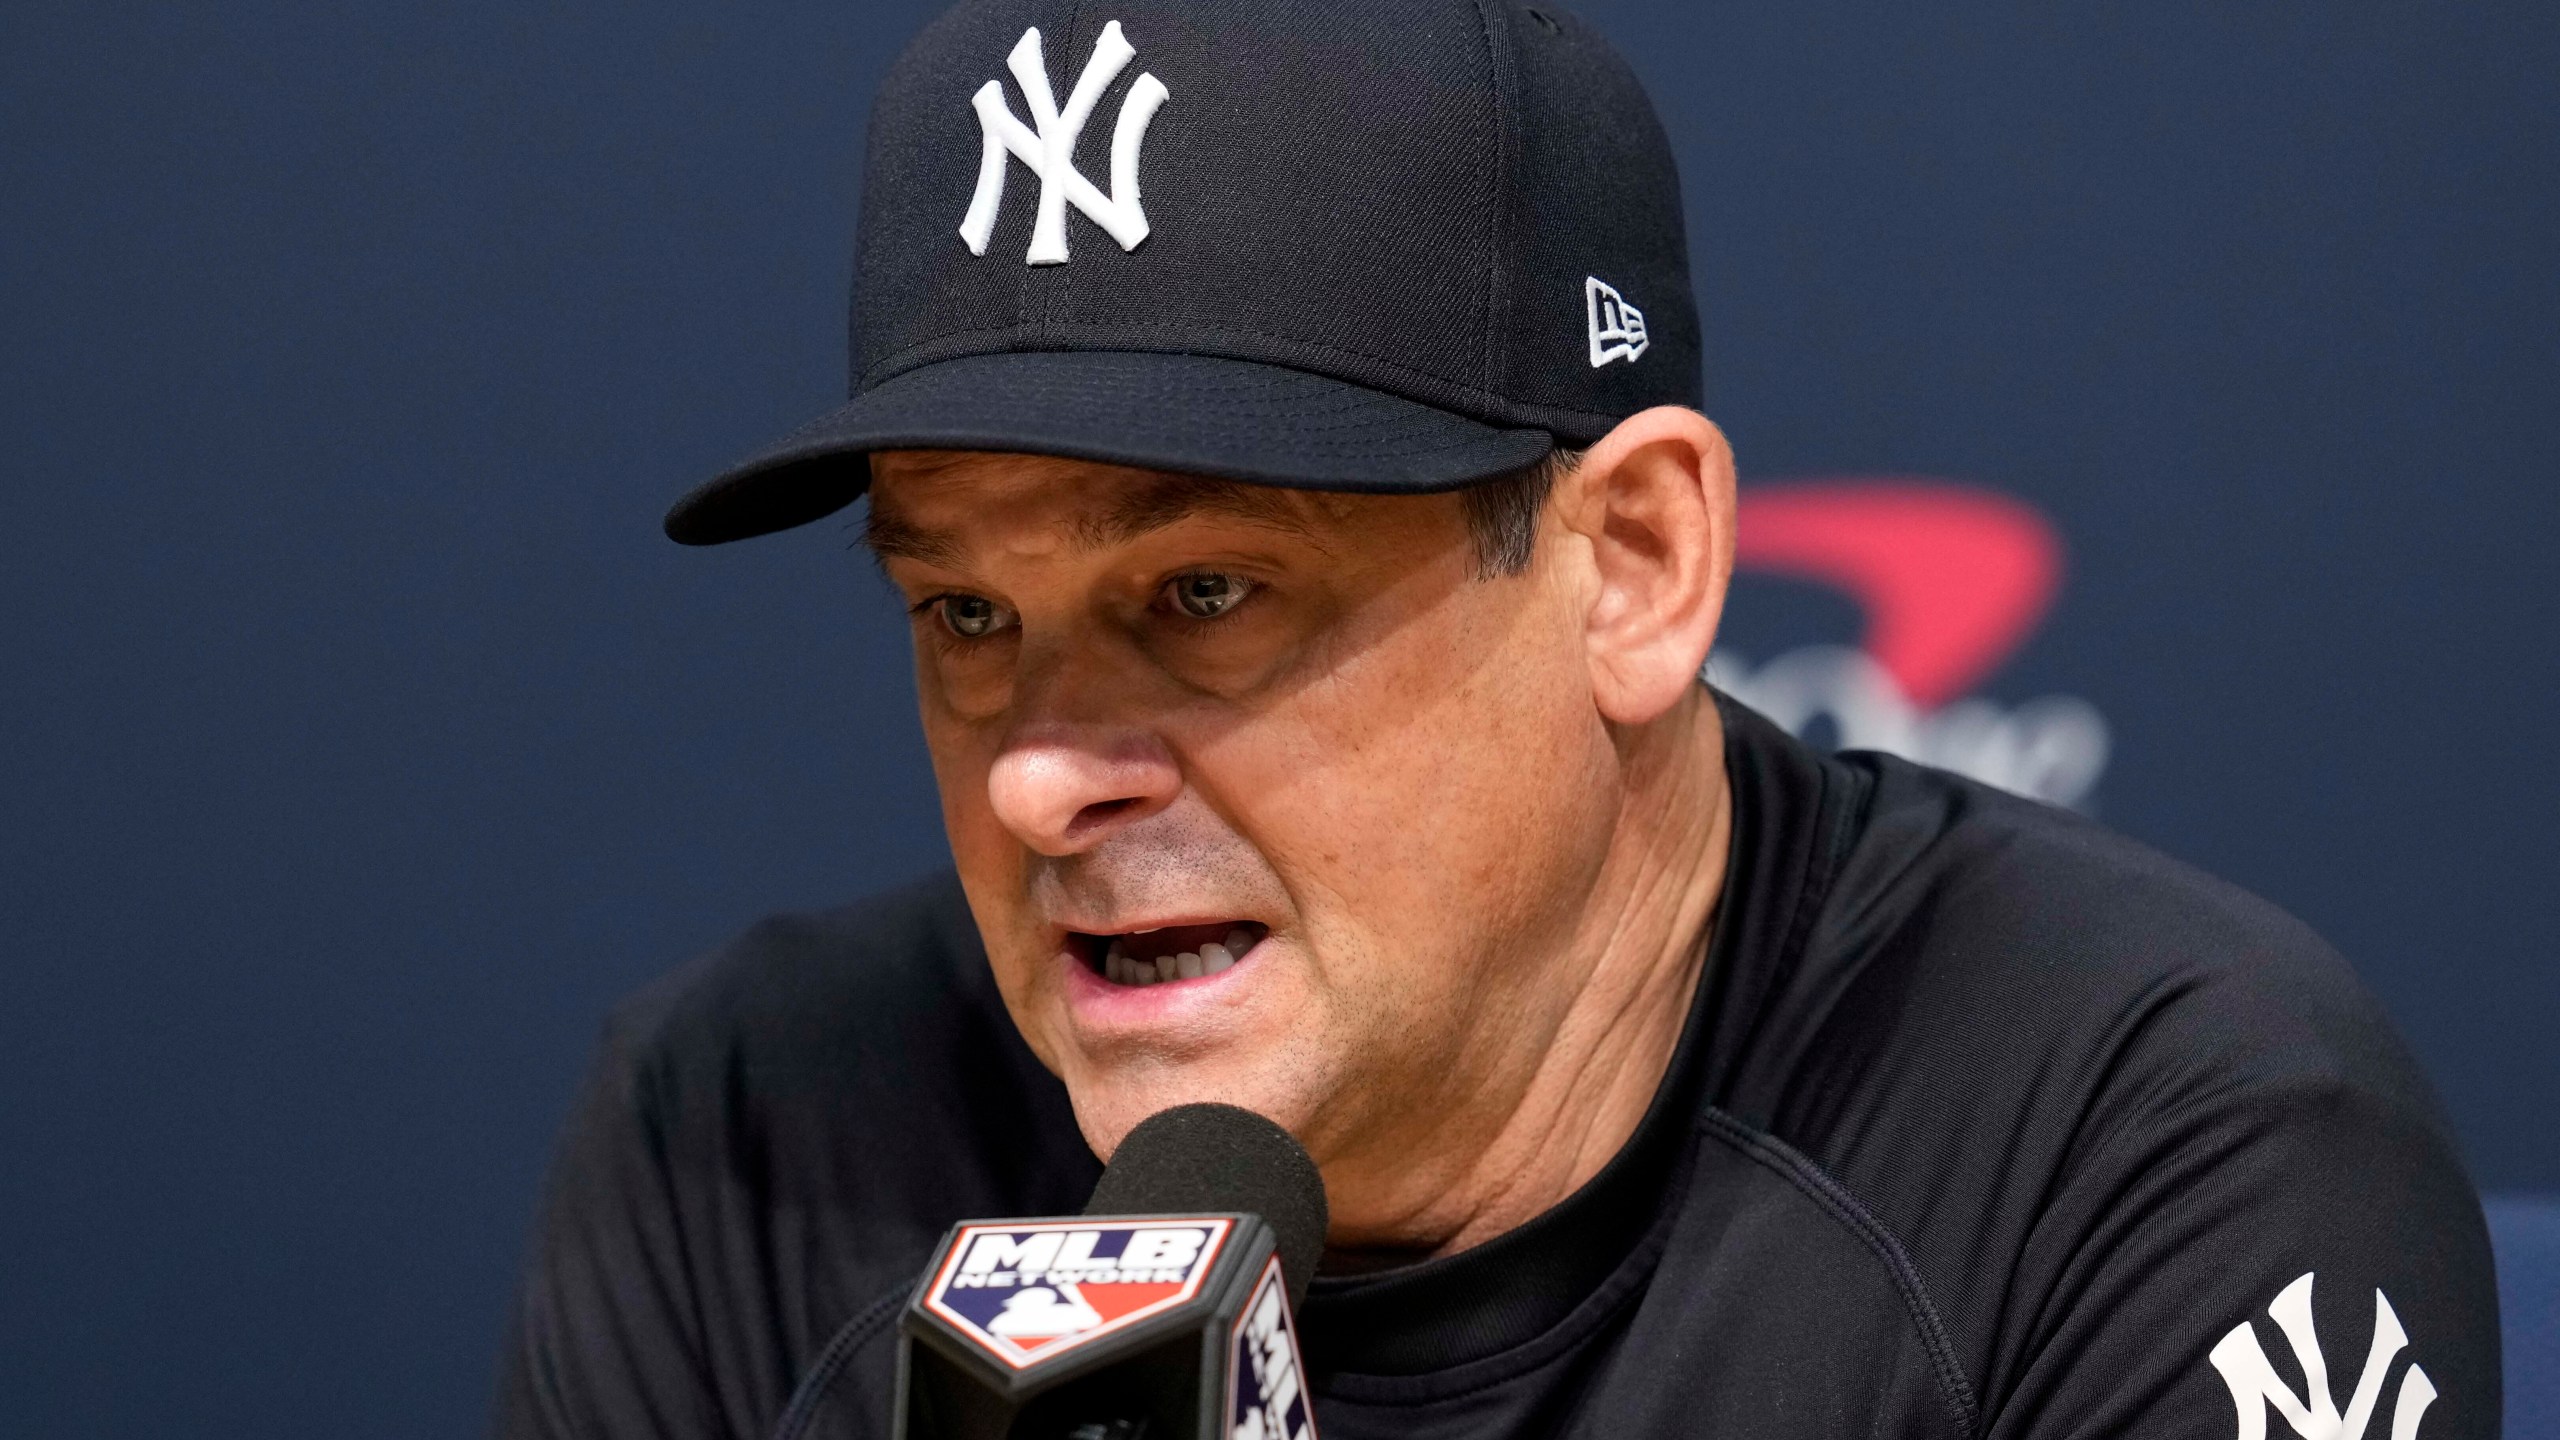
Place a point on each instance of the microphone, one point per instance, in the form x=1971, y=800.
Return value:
x=1166, y=1312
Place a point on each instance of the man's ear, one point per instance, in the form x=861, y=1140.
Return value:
x=1654, y=502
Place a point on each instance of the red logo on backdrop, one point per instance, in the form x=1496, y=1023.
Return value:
x=1951, y=579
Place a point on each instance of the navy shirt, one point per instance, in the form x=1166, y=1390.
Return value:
x=1986, y=1122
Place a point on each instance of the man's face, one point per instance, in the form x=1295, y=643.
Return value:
x=1294, y=737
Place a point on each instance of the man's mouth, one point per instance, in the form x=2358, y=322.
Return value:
x=1175, y=952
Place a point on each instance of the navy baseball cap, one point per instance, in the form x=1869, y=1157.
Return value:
x=1357, y=245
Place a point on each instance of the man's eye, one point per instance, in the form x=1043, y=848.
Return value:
x=972, y=617
x=1207, y=596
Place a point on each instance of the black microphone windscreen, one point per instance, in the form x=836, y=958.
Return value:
x=1205, y=1157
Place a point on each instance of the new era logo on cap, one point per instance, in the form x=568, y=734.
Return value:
x=1025, y=1292
x=1617, y=328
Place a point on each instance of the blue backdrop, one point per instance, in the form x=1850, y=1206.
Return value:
x=361, y=740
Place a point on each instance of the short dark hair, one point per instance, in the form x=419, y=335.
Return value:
x=1502, y=513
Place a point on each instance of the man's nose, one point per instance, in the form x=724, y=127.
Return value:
x=1065, y=788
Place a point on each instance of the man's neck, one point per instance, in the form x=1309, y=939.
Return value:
x=1632, y=973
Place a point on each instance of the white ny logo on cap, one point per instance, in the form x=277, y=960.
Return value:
x=1051, y=150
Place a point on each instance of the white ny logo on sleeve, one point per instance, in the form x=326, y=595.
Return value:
x=2255, y=1386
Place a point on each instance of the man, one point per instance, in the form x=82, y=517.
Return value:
x=1287, y=445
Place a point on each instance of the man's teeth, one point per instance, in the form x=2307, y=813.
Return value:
x=1121, y=968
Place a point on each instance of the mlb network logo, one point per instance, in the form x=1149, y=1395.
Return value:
x=1025, y=1293
x=1266, y=1396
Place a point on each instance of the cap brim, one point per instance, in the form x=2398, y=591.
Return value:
x=1193, y=414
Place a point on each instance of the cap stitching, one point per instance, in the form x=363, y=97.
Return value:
x=867, y=382
x=807, y=434
x=1499, y=191
x=1359, y=399
x=805, y=439
x=1056, y=303
x=809, y=451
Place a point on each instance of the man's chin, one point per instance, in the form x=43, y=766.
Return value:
x=1111, y=1104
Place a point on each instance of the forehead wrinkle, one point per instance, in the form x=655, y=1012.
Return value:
x=892, y=536
x=1166, y=500
x=1156, y=501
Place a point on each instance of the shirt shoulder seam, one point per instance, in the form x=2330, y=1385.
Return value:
x=1817, y=1185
